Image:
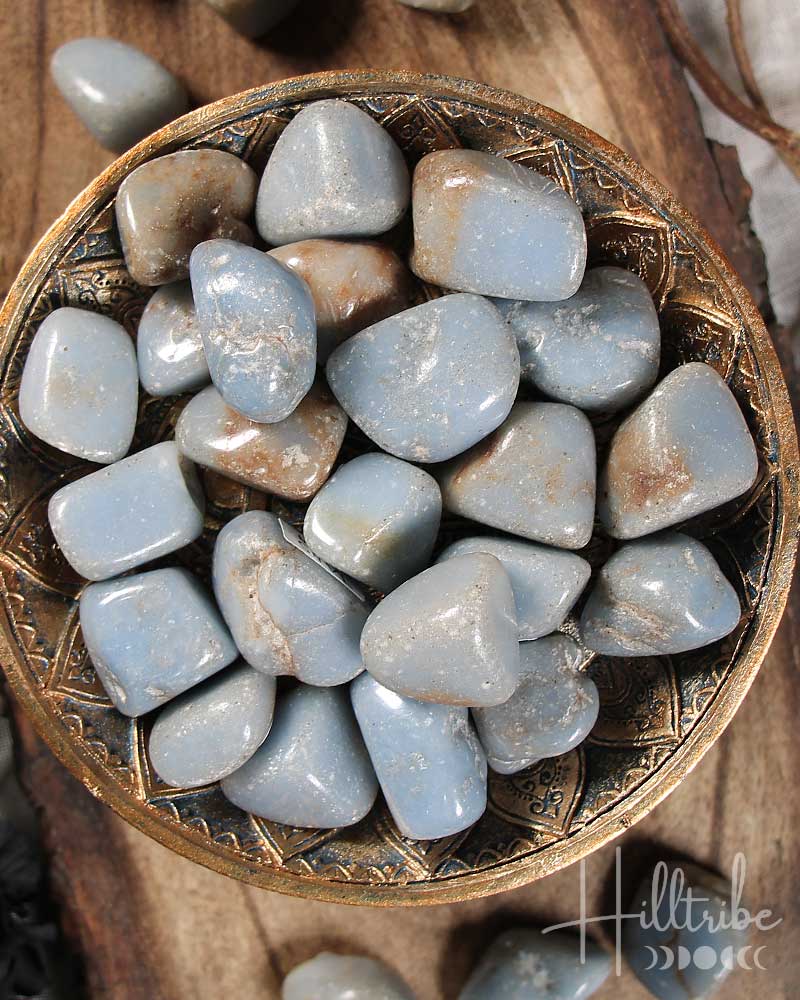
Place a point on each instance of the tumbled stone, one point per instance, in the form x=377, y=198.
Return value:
x=447, y=635
x=430, y=765
x=288, y=614
x=376, y=519
x=167, y=206
x=440, y=6
x=313, y=769
x=599, y=349
x=333, y=172
x=535, y=476
x=291, y=458
x=431, y=381
x=169, y=345
x=119, y=93
x=552, y=710
x=343, y=977
x=686, y=940
x=546, y=582
x=152, y=636
x=258, y=327
x=659, y=595
x=685, y=450
x=525, y=964
x=484, y=224
x=354, y=285
x=212, y=730
x=253, y=18
x=134, y=511
x=80, y=388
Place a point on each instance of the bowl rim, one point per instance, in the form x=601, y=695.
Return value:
x=666, y=776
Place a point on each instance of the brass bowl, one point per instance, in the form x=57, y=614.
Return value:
x=658, y=715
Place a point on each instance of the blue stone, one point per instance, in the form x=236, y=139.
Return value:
x=659, y=595
x=169, y=344
x=152, y=636
x=376, y=519
x=343, y=977
x=259, y=332
x=287, y=613
x=313, y=769
x=429, y=763
x=80, y=388
x=431, y=381
x=484, y=224
x=552, y=710
x=134, y=511
x=546, y=582
x=333, y=172
x=253, y=18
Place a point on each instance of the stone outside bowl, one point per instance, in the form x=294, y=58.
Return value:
x=658, y=715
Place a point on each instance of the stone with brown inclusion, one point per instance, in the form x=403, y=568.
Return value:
x=169, y=205
x=291, y=458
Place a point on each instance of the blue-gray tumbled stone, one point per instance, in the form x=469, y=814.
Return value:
x=119, y=93
x=431, y=381
x=535, y=476
x=546, y=582
x=313, y=769
x=525, y=964
x=376, y=519
x=80, y=389
x=169, y=345
x=429, y=763
x=484, y=224
x=287, y=614
x=447, y=635
x=152, y=636
x=552, y=710
x=599, y=349
x=440, y=6
x=685, y=450
x=253, y=18
x=210, y=731
x=134, y=511
x=344, y=977
x=259, y=332
x=333, y=172
x=664, y=594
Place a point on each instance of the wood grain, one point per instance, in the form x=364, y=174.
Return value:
x=153, y=925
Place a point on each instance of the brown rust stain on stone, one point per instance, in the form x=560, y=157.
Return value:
x=639, y=477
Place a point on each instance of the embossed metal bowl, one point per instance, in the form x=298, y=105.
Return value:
x=658, y=715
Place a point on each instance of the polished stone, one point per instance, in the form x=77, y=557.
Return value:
x=535, y=476
x=546, y=582
x=688, y=954
x=333, y=172
x=685, y=450
x=525, y=964
x=80, y=388
x=210, y=731
x=598, y=350
x=484, y=224
x=343, y=977
x=552, y=710
x=354, y=285
x=291, y=458
x=664, y=594
x=288, y=614
x=376, y=520
x=134, y=511
x=448, y=635
x=119, y=93
x=440, y=6
x=313, y=769
x=431, y=381
x=429, y=763
x=253, y=18
x=169, y=344
x=152, y=636
x=259, y=332
x=168, y=205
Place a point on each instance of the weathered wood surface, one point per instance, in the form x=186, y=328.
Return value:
x=153, y=925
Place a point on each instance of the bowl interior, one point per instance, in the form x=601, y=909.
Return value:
x=658, y=715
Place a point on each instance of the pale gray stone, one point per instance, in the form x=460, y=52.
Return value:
x=343, y=977
x=253, y=18
x=169, y=345
x=440, y=6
